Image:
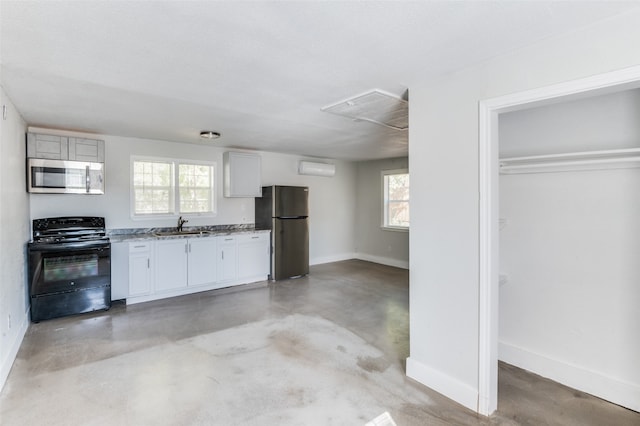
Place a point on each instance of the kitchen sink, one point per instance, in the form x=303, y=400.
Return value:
x=176, y=233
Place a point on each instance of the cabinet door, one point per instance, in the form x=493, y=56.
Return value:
x=227, y=259
x=47, y=146
x=139, y=274
x=171, y=265
x=242, y=174
x=253, y=256
x=90, y=150
x=202, y=261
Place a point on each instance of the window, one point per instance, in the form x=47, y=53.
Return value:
x=162, y=187
x=395, y=184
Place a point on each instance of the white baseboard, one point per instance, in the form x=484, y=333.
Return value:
x=448, y=386
x=329, y=259
x=14, y=346
x=608, y=388
x=404, y=264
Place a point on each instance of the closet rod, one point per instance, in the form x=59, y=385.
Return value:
x=586, y=160
x=570, y=163
x=606, y=154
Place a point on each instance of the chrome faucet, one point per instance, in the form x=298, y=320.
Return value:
x=181, y=223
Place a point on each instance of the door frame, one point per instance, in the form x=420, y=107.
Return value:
x=489, y=111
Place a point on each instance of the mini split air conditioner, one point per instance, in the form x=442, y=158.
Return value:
x=316, y=169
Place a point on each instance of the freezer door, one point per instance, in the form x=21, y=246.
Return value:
x=291, y=248
x=291, y=201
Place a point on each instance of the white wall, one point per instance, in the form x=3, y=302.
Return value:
x=443, y=157
x=595, y=123
x=373, y=243
x=332, y=209
x=14, y=233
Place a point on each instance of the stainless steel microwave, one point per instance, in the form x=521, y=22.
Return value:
x=64, y=177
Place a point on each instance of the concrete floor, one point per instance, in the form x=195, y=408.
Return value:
x=367, y=300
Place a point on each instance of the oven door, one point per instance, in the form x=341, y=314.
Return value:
x=67, y=278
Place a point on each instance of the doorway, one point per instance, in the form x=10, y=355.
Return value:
x=489, y=113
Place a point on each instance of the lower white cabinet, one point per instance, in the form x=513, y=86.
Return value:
x=253, y=255
x=140, y=268
x=227, y=258
x=171, y=264
x=165, y=268
x=201, y=267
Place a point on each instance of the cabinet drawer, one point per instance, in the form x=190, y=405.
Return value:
x=139, y=247
x=263, y=236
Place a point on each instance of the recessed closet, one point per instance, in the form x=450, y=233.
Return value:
x=570, y=243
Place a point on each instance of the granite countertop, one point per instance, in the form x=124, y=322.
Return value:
x=146, y=234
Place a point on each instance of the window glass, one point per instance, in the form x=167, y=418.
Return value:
x=153, y=187
x=170, y=187
x=396, y=199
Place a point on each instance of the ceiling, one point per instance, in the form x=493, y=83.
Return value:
x=257, y=72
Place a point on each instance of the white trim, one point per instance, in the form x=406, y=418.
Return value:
x=397, y=263
x=7, y=363
x=488, y=215
x=448, y=386
x=592, y=382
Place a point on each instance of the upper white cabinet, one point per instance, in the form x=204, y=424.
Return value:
x=56, y=147
x=91, y=150
x=242, y=174
x=47, y=146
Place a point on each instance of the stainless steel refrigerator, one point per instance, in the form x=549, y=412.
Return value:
x=284, y=210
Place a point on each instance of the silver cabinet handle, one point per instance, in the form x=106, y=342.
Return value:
x=148, y=263
x=88, y=179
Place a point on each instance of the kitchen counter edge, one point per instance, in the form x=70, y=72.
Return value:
x=125, y=238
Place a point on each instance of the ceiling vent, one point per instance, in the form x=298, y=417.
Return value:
x=376, y=107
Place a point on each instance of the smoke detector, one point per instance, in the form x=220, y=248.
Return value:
x=376, y=107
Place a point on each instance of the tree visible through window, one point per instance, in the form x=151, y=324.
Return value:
x=168, y=187
x=195, y=188
x=153, y=187
x=396, y=199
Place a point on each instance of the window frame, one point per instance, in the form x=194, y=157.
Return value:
x=175, y=164
x=385, y=200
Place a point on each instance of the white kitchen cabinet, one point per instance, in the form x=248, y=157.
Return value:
x=140, y=272
x=171, y=265
x=119, y=271
x=242, y=174
x=202, y=266
x=91, y=150
x=227, y=258
x=253, y=256
x=160, y=268
x=47, y=146
x=56, y=147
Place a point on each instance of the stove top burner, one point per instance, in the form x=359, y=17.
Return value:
x=69, y=229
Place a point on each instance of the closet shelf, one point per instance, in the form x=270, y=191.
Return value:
x=573, y=161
